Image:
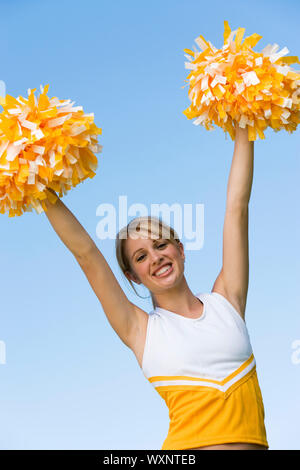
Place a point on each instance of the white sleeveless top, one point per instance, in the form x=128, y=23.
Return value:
x=205, y=371
x=212, y=346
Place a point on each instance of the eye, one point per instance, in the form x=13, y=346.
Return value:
x=162, y=244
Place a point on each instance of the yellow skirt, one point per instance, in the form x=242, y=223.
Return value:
x=208, y=416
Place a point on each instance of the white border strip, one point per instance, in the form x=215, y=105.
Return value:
x=222, y=388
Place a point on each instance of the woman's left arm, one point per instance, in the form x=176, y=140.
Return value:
x=233, y=279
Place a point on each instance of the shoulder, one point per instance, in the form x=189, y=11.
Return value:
x=219, y=288
x=140, y=317
x=138, y=327
x=138, y=334
x=228, y=301
x=237, y=302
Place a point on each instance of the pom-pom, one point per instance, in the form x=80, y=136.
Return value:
x=44, y=143
x=238, y=86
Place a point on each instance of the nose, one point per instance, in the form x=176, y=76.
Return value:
x=156, y=258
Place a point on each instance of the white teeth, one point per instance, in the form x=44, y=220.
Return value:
x=163, y=270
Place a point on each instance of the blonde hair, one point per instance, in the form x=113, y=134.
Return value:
x=139, y=227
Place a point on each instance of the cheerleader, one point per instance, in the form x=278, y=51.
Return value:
x=194, y=349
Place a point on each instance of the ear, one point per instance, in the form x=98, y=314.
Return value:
x=181, y=249
x=132, y=277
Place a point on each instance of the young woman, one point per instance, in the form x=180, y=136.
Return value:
x=194, y=349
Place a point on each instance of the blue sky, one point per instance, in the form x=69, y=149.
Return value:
x=68, y=381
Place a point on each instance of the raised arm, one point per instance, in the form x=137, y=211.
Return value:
x=233, y=279
x=120, y=312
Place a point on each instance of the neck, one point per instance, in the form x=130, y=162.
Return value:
x=178, y=299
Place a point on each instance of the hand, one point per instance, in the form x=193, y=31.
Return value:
x=241, y=135
x=49, y=201
x=51, y=191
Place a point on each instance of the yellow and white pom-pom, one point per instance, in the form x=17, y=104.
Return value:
x=44, y=143
x=238, y=85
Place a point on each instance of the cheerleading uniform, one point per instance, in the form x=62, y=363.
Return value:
x=205, y=370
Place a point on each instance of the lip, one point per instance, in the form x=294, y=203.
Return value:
x=160, y=267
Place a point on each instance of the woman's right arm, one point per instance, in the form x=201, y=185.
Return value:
x=123, y=315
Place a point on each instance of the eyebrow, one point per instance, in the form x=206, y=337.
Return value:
x=154, y=241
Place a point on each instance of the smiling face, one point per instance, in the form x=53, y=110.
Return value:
x=158, y=264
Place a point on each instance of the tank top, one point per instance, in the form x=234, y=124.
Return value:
x=205, y=371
